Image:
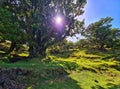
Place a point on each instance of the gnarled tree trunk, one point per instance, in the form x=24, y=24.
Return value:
x=12, y=46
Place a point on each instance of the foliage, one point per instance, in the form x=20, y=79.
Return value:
x=83, y=43
x=37, y=20
x=9, y=28
x=114, y=38
x=101, y=34
x=63, y=46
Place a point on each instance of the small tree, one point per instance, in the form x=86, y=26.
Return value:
x=113, y=41
x=99, y=32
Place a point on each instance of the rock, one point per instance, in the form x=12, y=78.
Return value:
x=9, y=78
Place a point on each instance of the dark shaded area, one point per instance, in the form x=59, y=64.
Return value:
x=12, y=58
x=17, y=78
x=16, y=58
x=110, y=86
x=97, y=87
x=95, y=52
x=113, y=54
x=113, y=86
x=55, y=78
x=9, y=78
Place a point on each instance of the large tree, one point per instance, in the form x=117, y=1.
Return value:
x=48, y=30
x=47, y=21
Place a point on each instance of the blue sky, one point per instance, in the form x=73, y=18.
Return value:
x=96, y=9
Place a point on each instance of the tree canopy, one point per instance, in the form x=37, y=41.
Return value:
x=37, y=19
x=101, y=33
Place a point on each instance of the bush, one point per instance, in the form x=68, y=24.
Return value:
x=70, y=65
x=5, y=59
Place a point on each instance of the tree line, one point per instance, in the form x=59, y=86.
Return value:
x=99, y=35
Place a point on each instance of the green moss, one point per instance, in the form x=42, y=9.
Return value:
x=84, y=71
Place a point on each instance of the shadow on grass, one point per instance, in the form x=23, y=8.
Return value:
x=64, y=54
x=97, y=87
x=96, y=52
x=109, y=86
x=105, y=54
x=44, y=75
x=51, y=78
x=113, y=86
x=58, y=83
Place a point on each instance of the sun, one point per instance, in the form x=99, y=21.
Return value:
x=58, y=20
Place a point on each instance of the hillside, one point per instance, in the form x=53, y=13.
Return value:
x=78, y=69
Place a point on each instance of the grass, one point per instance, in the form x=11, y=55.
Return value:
x=35, y=63
x=88, y=79
x=83, y=69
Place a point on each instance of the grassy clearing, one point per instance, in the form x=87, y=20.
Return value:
x=82, y=70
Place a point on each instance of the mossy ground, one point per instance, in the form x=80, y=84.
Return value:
x=85, y=69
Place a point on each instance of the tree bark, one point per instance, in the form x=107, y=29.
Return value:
x=35, y=51
x=102, y=47
x=12, y=46
x=32, y=51
x=43, y=52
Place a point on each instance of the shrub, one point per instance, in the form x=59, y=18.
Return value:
x=70, y=65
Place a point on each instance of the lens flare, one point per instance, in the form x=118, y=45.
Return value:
x=58, y=20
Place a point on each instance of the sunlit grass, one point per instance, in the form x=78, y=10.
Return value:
x=24, y=54
x=93, y=72
x=2, y=52
x=88, y=79
x=86, y=70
